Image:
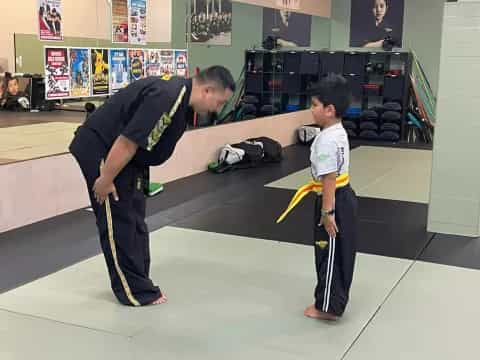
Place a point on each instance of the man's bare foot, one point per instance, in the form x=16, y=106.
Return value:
x=312, y=312
x=161, y=300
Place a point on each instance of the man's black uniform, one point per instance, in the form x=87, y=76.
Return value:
x=153, y=113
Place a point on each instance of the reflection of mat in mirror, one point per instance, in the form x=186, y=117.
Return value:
x=33, y=141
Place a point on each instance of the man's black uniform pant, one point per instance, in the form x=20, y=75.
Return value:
x=121, y=224
x=335, y=257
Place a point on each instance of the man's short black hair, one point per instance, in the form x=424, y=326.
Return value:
x=219, y=75
x=333, y=90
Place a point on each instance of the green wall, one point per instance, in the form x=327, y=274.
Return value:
x=421, y=31
x=246, y=33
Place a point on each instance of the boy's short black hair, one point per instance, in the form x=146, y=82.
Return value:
x=333, y=90
x=219, y=75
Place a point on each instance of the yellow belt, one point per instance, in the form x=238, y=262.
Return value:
x=313, y=185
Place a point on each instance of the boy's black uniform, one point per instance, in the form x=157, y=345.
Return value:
x=153, y=113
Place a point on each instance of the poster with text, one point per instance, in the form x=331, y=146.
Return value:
x=290, y=28
x=167, y=62
x=153, y=63
x=181, y=64
x=119, y=10
x=118, y=69
x=49, y=19
x=79, y=72
x=138, y=22
x=57, y=74
x=136, y=61
x=211, y=22
x=373, y=21
x=100, y=72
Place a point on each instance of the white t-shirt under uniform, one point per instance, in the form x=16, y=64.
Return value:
x=330, y=152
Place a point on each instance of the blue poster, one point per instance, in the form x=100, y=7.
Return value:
x=119, y=69
x=79, y=72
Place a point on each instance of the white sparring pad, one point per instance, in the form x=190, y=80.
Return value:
x=229, y=297
x=433, y=314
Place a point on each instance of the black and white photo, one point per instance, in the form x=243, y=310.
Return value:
x=211, y=22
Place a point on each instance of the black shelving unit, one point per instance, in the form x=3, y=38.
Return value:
x=277, y=81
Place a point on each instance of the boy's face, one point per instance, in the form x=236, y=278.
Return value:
x=379, y=9
x=322, y=114
x=13, y=87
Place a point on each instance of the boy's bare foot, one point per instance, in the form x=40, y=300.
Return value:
x=312, y=312
x=161, y=300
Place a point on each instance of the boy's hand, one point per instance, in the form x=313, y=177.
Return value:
x=330, y=225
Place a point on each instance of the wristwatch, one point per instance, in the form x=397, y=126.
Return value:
x=327, y=212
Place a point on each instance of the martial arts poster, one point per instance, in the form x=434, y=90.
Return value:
x=79, y=72
x=153, y=63
x=181, y=64
x=290, y=28
x=138, y=21
x=118, y=69
x=373, y=21
x=49, y=19
x=119, y=10
x=100, y=72
x=167, y=62
x=57, y=74
x=211, y=22
x=136, y=61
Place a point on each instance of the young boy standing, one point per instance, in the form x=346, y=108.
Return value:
x=335, y=220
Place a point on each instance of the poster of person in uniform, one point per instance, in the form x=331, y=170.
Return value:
x=119, y=10
x=211, y=22
x=136, y=61
x=100, y=72
x=79, y=72
x=153, y=63
x=181, y=64
x=57, y=74
x=138, y=21
x=167, y=62
x=118, y=69
x=49, y=20
x=374, y=20
x=290, y=28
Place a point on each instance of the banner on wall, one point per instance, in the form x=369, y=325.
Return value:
x=136, y=60
x=83, y=72
x=119, y=9
x=153, y=63
x=290, y=28
x=138, y=22
x=373, y=21
x=167, y=62
x=181, y=65
x=49, y=20
x=211, y=22
x=119, y=69
x=79, y=72
x=100, y=72
x=57, y=74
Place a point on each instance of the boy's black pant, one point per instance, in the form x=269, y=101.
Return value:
x=335, y=258
x=121, y=224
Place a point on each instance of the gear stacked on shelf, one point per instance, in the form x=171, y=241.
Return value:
x=278, y=80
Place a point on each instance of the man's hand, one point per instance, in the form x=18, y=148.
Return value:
x=102, y=188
